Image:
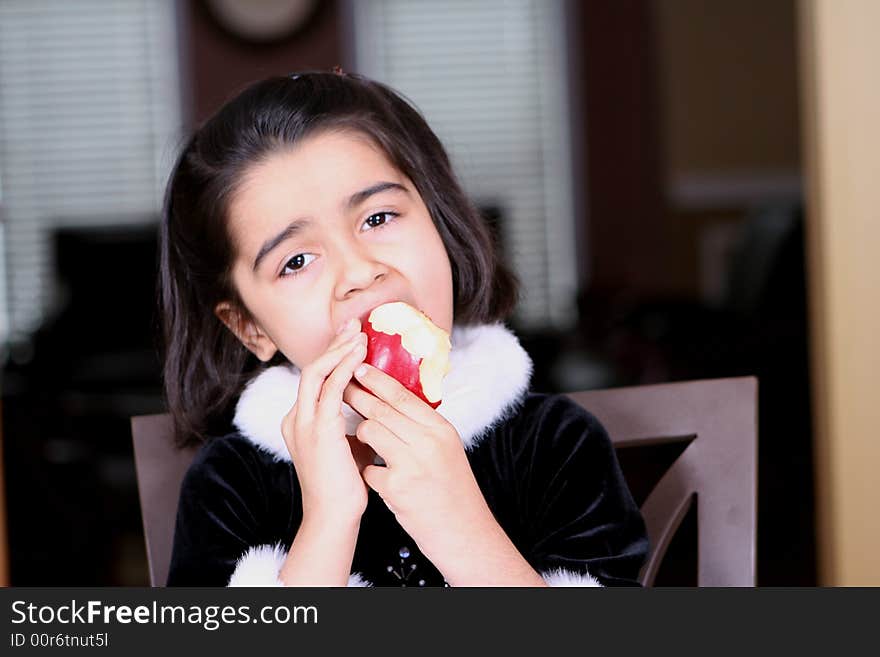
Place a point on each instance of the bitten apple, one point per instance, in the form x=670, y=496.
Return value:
x=405, y=344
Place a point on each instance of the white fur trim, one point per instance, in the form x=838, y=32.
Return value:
x=489, y=374
x=562, y=577
x=260, y=566
x=357, y=580
x=264, y=403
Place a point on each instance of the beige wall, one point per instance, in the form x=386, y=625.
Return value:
x=840, y=51
x=728, y=85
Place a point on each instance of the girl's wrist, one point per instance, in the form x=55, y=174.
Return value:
x=483, y=555
x=321, y=553
x=339, y=524
x=471, y=530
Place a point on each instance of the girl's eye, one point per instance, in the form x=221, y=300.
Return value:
x=300, y=261
x=297, y=263
x=380, y=219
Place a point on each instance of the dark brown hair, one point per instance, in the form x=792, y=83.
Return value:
x=205, y=365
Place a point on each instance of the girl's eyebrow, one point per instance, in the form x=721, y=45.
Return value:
x=359, y=197
x=294, y=227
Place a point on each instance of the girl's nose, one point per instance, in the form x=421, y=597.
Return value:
x=357, y=272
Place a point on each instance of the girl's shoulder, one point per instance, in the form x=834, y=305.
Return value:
x=554, y=417
x=230, y=448
x=543, y=403
x=549, y=431
x=233, y=460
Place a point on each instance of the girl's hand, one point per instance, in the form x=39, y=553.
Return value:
x=428, y=483
x=314, y=430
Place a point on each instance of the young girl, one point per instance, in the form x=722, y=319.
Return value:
x=302, y=204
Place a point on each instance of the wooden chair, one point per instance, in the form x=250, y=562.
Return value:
x=160, y=468
x=713, y=423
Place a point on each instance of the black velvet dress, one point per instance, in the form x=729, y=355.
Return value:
x=546, y=467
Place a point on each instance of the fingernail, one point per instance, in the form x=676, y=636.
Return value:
x=360, y=371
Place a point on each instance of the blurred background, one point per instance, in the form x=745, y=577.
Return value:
x=640, y=161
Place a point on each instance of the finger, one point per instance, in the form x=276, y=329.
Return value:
x=289, y=421
x=376, y=477
x=373, y=408
x=330, y=400
x=313, y=375
x=386, y=444
x=395, y=394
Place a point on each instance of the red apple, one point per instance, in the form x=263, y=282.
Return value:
x=405, y=344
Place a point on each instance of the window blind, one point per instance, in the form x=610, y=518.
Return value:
x=490, y=77
x=89, y=122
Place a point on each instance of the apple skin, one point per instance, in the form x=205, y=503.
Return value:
x=387, y=353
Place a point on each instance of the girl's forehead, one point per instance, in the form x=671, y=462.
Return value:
x=327, y=163
x=313, y=180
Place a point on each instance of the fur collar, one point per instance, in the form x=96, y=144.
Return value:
x=490, y=373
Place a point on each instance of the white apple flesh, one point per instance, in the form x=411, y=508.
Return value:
x=405, y=344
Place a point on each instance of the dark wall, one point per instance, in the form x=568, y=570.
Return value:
x=219, y=63
x=629, y=243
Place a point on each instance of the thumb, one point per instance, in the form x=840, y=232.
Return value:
x=376, y=477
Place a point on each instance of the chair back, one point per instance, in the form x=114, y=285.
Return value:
x=715, y=473
x=160, y=468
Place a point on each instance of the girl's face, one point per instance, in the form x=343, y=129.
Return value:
x=324, y=232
